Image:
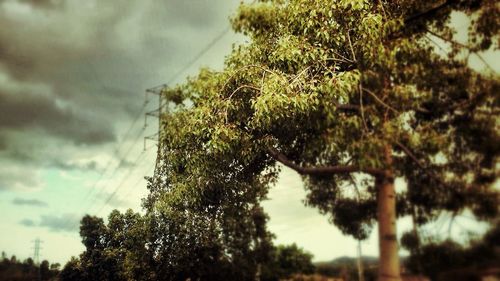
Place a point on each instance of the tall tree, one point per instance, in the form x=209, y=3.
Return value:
x=346, y=92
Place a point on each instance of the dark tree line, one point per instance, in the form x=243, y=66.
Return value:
x=129, y=247
x=14, y=270
x=448, y=260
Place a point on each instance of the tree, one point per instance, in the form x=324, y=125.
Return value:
x=435, y=258
x=351, y=95
x=14, y=270
x=286, y=261
x=225, y=240
x=116, y=251
x=44, y=270
x=72, y=271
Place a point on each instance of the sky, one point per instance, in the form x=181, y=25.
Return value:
x=73, y=76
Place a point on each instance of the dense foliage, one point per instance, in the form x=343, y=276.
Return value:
x=447, y=260
x=15, y=270
x=286, y=261
x=116, y=251
x=126, y=249
x=351, y=95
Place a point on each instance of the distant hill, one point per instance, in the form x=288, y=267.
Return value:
x=349, y=261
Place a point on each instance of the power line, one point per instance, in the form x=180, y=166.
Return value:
x=113, y=193
x=131, y=168
x=196, y=58
x=150, y=90
x=121, y=160
x=137, y=182
x=117, y=150
x=139, y=135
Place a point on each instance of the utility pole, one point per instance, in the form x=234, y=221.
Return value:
x=36, y=256
x=361, y=276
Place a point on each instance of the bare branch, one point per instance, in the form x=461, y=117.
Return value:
x=428, y=13
x=243, y=87
x=456, y=43
x=410, y=154
x=252, y=66
x=361, y=106
x=380, y=101
x=324, y=170
x=352, y=49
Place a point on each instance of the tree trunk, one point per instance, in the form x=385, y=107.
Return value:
x=258, y=272
x=361, y=275
x=388, y=244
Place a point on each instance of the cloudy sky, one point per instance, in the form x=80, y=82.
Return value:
x=72, y=81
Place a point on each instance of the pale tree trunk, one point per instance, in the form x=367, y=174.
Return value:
x=258, y=272
x=389, y=258
x=361, y=276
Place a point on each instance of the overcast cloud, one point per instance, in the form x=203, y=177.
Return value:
x=29, y=202
x=73, y=73
x=72, y=81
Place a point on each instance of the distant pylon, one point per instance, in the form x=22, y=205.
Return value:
x=37, y=248
x=36, y=256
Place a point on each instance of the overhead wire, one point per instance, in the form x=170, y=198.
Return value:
x=117, y=150
x=171, y=80
x=122, y=160
x=131, y=188
x=124, y=179
x=188, y=65
x=197, y=57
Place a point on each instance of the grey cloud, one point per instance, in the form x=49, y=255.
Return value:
x=44, y=4
x=33, y=150
x=88, y=166
x=73, y=73
x=65, y=222
x=36, y=111
x=3, y=143
x=29, y=202
x=27, y=222
x=13, y=177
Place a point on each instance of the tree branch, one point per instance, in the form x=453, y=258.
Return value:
x=410, y=154
x=428, y=13
x=348, y=107
x=323, y=170
x=456, y=43
x=243, y=87
x=380, y=101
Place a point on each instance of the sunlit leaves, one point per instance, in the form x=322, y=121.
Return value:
x=335, y=83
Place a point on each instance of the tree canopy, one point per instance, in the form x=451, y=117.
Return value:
x=351, y=95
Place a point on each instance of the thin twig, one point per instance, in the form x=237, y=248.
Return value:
x=469, y=48
x=298, y=75
x=345, y=58
x=251, y=66
x=379, y=100
x=242, y=87
x=361, y=106
x=339, y=60
x=410, y=154
x=352, y=49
